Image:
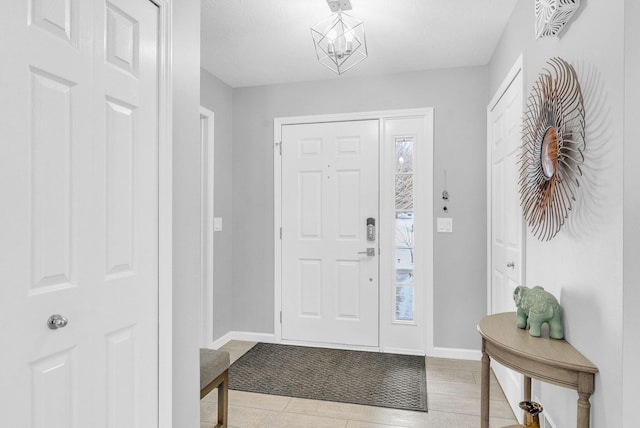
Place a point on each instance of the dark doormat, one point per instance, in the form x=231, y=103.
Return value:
x=368, y=378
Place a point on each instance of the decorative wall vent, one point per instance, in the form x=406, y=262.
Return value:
x=553, y=142
x=553, y=15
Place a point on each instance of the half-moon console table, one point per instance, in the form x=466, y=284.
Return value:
x=547, y=360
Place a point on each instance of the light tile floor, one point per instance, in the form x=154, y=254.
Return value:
x=453, y=398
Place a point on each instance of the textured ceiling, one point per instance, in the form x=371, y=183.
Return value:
x=261, y=42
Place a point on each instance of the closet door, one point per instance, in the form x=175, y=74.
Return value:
x=507, y=226
x=79, y=248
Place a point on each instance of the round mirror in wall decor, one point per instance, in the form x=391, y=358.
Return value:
x=553, y=143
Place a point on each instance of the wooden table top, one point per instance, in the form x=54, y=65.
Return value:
x=501, y=330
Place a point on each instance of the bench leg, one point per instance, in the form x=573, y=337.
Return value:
x=223, y=401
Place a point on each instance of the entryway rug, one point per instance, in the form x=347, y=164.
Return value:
x=357, y=377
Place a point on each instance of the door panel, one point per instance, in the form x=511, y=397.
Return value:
x=52, y=235
x=79, y=223
x=330, y=188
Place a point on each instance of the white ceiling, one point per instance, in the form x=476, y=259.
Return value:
x=261, y=42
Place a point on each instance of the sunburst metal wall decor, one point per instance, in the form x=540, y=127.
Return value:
x=553, y=142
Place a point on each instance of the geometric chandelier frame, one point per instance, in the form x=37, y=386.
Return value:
x=340, y=42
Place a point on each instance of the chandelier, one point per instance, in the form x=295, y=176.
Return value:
x=339, y=39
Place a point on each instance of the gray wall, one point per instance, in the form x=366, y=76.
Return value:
x=186, y=212
x=583, y=264
x=459, y=97
x=218, y=97
x=631, y=213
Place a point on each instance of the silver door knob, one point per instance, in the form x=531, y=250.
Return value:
x=56, y=321
x=511, y=265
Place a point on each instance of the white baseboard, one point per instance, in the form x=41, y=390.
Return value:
x=330, y=345
x=458, y=354
x=437, y=352
x=245, y=336
x=402, y=351
x=219, y=343
x=271, y=338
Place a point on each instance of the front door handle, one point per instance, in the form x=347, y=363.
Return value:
x=371, y=252
x=56, y=321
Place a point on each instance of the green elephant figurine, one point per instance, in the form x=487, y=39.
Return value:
x=536, y=307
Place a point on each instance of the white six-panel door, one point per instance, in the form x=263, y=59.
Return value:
x=505, y=130
x=79, y=217
x=329, y=190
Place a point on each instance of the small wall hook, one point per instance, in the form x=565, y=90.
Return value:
x=445, y=193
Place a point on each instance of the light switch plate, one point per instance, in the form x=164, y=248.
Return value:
x=217, y=224
x=445, y=225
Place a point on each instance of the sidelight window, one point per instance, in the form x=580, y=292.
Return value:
x=404, y=233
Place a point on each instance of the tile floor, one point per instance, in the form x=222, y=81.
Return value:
x=453, y=396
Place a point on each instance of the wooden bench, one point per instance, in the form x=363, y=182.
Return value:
x=214, y=373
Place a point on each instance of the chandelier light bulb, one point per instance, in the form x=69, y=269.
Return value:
x=348, y=36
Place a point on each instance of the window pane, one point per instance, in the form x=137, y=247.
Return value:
x=404, y=303
x=404, y=229
x=404, y=155
x=404, y=192
x=404, y=275
x=404, y=258
x=404, y=265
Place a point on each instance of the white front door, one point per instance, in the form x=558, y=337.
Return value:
x=507, y=270
x=79, y=185
x=329, y=191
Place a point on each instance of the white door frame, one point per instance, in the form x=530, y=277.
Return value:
x=428, y=208
x=165, y=216
x=517, y=68
x=206, y=221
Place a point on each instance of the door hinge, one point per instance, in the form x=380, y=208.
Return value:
x=280, y=317
x=279, y=144
x=280, y=233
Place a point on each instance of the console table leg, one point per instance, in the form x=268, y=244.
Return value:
x=585, y=388
x=484, y=388
x=527, y=388
x=584, y=410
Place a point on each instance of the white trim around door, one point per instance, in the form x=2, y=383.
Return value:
x=165, y=215
x=388, y=327
x=207, y=125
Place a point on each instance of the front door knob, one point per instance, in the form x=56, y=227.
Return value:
x=56, y=321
